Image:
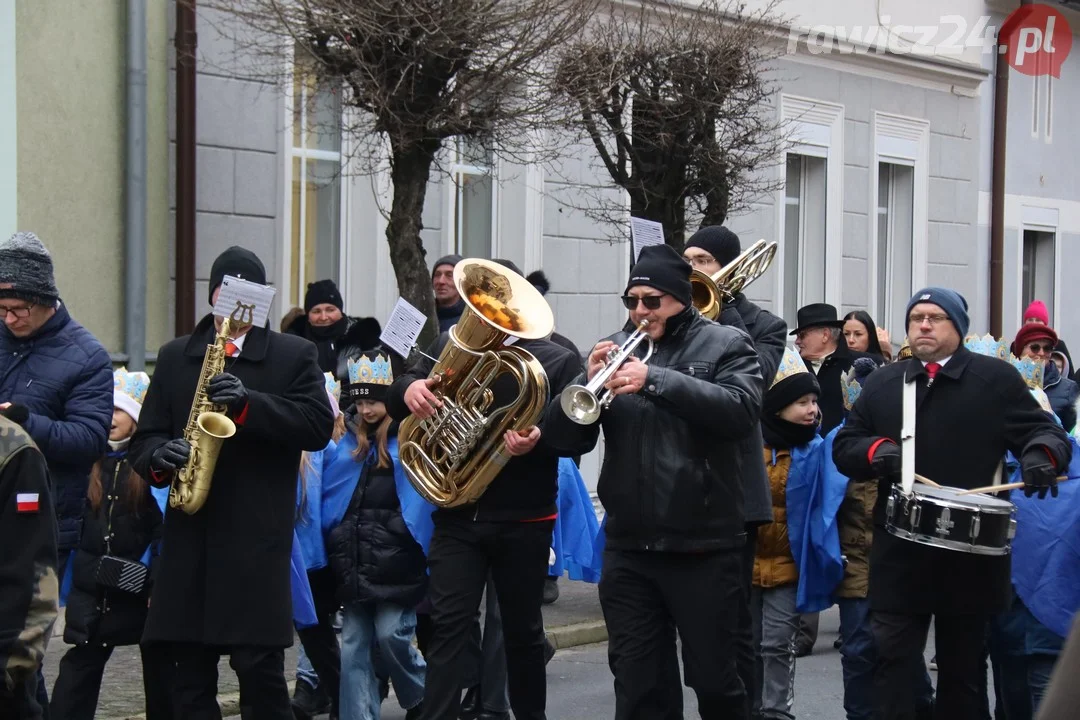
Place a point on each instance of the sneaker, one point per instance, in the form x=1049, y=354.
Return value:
x=933, y=663
x=551, y=590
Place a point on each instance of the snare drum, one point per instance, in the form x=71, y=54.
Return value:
x=977, y=524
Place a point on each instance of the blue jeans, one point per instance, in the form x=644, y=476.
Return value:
x=857, y=657
x=304, y=671
x=393, y=627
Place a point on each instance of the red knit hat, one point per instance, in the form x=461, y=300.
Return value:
x=1030, y=333
x=1037, y=311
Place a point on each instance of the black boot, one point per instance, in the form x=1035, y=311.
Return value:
x=308, y=701
x=551, y=590
x=470, y=704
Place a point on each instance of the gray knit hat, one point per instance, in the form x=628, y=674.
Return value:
x=25, y=264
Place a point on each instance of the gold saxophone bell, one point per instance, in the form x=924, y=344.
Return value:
x=452, y=457
x=709, y=293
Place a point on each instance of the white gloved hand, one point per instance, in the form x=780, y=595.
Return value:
x=551, y=556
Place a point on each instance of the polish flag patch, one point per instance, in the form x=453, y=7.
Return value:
x=27, y=502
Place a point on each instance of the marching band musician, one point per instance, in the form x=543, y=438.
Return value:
x=671, y=487
x=223, y=583
x=970, y=409
x=506, y=532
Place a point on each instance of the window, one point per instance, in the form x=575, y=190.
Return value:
x=1038, y=270
x=473, y=204
x=805, y=193
x=315, y=165
x=895, y=244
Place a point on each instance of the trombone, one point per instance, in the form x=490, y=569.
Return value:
x=710, y=293
x=584, y=403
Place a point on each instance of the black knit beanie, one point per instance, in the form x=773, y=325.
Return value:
x=660, y=267
x=718, y=241
x=787, y=391
x=236, y=262
x=320, y=292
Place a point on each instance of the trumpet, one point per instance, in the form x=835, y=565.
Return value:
x=584, y=403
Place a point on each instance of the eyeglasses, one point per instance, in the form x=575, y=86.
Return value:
x=699, y=261
x=1040, y=347
x=919, y=319
x=20, y=313
x=651, y=302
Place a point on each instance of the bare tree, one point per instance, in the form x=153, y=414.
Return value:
x=420, y=73
x=675, y=100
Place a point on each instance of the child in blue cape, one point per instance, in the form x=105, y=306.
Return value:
x=377, y=529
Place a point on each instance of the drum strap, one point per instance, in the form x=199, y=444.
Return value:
x=907, y=437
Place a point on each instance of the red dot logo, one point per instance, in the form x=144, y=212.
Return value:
x=1038, y=40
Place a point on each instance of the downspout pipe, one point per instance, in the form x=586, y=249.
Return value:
x=997, y=187
x=186, y=44
x=135, y=189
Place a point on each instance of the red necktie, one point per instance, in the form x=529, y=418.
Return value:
x=231, y=350
x=932, y=369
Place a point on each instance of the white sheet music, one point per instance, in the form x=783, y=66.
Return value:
x=403, y=327
x=253, y=297
x=645, y=233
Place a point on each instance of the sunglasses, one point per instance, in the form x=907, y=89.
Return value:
x=1040, y=347
x=651, y=302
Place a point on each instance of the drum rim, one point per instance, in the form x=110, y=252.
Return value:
x=937, y=542
x=998, y=506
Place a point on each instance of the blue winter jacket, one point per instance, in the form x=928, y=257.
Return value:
x=63, y=376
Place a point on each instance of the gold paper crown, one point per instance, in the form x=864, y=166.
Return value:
x=987, y=345
x=905, y=350
x=790, y=364
x=368, y=371
x=132, y=384
x=1031, y=370
x=850, y=387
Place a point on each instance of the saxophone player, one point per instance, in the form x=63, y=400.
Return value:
x=222, y=584
x=507, y=532
x=674, y=497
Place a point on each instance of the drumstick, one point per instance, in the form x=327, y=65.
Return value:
x=926, y=481
x=999, y=488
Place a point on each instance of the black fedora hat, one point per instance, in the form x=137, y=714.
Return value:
x=817, y=315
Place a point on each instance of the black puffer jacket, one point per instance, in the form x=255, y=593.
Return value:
x=94, y=614
x=671, y=474
x=372, y=553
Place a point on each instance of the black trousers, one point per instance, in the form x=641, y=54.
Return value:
x=320, y=641
x=461, y=556
x=959, y=640
x=486, y=656
x=642, y=595
x=745, y=652
x=20, y=702
x=75, y=694
x=264, y=695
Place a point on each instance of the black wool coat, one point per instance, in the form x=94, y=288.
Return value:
x=831, y=400
x=977, y=408
x=224, y=575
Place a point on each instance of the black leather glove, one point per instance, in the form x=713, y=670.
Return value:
x=17, y=413
x=1040, y=475
x=171, y=456
x=226, y=389
x=886, y=462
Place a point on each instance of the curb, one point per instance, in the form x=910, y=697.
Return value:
x=565, y=636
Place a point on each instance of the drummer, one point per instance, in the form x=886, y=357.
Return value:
x=970, y=410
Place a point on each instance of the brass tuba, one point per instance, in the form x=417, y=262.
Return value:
x=452, y=457
x=710, y=293
x=208, y=426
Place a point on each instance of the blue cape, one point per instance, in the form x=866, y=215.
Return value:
x=575, y=528
x=1046, y=551
x=342, y=473
x=303, y=606
x=309, y=520
x=815, y=489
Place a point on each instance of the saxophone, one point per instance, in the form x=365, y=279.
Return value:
x=207, y=427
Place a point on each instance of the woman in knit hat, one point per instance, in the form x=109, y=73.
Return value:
x=789, y=425
x=1037, y=314
x=1037, y=341
x=123, y=521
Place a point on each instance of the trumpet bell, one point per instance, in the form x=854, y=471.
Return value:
x=580, y=404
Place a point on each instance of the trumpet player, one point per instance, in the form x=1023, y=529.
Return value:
x=670, y=484
x=223, y=585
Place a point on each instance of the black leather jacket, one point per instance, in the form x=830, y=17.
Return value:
x=671, y=474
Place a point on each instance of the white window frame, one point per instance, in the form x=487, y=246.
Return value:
x=452, y=224
x=1039, y=219
x=900, y=140
x=290, y=152
x=817, y=129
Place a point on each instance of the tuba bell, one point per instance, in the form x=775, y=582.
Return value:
x=709, y=293
x=452, y=457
